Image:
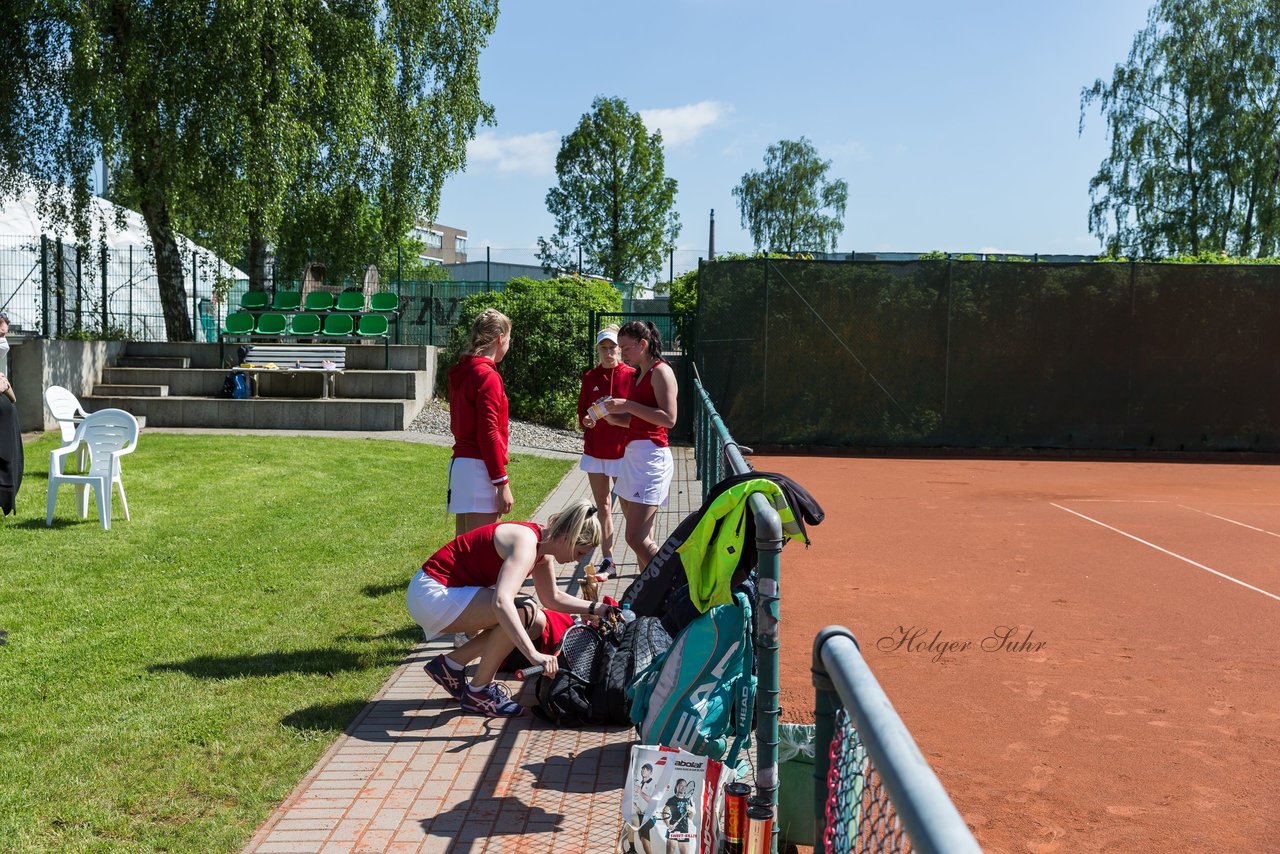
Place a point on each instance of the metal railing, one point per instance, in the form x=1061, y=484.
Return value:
x=718, y=455
x=885, y=796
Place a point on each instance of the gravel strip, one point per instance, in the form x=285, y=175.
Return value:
x=434, y=419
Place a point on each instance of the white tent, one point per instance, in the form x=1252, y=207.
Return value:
x=133, y=297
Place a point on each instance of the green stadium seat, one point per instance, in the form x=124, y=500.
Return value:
x=318, y=301
x=238, y=323
x=352, y=301
x=372, y=326
x=304, y=325
x=384, y=301
x=375, y=326
x=338, y=326
x=271, y=324
x=254, y=301
x=286, y=301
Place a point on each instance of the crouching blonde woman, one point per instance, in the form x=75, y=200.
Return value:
x=473, y=585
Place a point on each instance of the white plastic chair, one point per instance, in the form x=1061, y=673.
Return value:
x=66, y=410
x=107, y=435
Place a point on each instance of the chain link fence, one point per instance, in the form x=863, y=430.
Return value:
x=57, y=289
x=994, y=354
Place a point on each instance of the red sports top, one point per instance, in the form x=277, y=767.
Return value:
x=471, y=560
x=478, y=414
x=642, y=392
x=604, y=441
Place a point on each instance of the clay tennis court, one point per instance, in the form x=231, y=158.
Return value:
x=1132, y=703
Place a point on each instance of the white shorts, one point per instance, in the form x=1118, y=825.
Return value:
x=470, y=490
x=434, y=606
x=595, y=465
x=646, y=473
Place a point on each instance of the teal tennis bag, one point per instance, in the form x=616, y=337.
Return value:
x=700, y=694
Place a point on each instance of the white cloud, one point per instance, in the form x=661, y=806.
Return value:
x=682, y=125
x=852, y=150
x=531, y=153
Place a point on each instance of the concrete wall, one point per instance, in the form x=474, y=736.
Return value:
x=37, y=363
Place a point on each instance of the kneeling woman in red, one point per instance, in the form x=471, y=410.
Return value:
x=473, y=584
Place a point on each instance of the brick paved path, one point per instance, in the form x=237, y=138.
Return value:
x=414, y=774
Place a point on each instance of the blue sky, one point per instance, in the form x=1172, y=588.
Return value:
x=954, y=123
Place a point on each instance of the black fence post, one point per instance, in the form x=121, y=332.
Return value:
x=195, y=309
x=44, y=286
x=79, y=291
x=131, y=286
x=431, y=313
x=105, y=326
x=591, y=336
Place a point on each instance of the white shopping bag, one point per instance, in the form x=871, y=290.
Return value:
x=672, y=796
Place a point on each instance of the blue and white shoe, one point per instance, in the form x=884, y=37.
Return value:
x=491, y=701
x=452, y=679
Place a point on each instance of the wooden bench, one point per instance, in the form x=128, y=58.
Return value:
x=295, y=359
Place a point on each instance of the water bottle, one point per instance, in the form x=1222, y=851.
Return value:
x=627, y=614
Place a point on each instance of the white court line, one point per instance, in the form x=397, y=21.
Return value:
x=1232, y=521
x=1169, y=553
x=1120, y=500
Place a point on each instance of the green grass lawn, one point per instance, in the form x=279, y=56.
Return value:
x=166, y=683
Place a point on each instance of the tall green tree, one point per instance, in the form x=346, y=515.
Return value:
x=394, y=129
x=215, y=115
x=790, y=206
x=1193, y=116
x=613, y=200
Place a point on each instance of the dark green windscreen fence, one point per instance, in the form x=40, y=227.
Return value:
x=994, y=354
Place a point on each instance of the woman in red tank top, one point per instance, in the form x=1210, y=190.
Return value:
x=644, y=481
x=472, y=585
x=603, y=443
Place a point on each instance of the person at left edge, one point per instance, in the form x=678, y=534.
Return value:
x=479, y=489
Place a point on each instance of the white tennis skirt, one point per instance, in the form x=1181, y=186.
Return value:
x=595, y=465
x=470, y=490
x=434, y=606
x=646, y=473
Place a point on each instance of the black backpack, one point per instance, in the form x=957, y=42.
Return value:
x=229, y=385
x=643, y=640
x=575, y=695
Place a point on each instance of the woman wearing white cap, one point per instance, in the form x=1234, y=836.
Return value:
x=603, y=443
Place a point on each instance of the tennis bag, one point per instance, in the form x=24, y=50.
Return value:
x=700, y=695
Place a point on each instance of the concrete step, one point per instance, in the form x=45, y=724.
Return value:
x=369, y=414
x=154, y=362
x=123, y=390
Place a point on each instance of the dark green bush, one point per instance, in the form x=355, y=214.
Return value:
x=543, y=371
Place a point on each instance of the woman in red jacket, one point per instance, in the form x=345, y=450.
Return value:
x=472, y=585
x=479, y=490
x=603, y=443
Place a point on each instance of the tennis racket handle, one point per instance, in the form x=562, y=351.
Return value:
x=526, y=672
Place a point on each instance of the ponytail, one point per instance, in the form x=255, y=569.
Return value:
x=489, y=325
x=644, y=331
x=578, y=522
